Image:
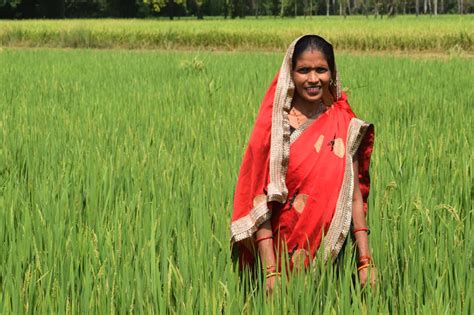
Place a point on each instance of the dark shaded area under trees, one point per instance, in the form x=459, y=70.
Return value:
x=57, y=9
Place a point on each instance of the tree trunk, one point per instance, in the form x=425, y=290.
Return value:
x=390, y=10
x=170, y=6
x=425, y=6
x=349, y=11
x=296, y=8
x=199, y=13
x=226, y=9
x=441, y=9
x=417, y=7
x=275, y=8
x=62, y=9
x=327, y=7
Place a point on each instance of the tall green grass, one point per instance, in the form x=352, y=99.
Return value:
x=441, y=34
x=117, y=172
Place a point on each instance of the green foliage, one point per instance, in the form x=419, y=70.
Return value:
x=156, y=5
x=117, y=172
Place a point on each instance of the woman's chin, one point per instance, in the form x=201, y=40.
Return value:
x=313, y=98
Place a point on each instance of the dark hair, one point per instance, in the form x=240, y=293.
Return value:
x=318, y=43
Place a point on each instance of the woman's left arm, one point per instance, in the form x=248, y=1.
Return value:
x=361, y=237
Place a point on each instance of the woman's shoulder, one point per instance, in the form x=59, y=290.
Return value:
x=343, y=108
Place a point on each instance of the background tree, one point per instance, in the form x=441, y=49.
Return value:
x=239, y=8
x=7, y=10
x=198, y=5
x=461, y=6
x=53, y=9
x=122, y=8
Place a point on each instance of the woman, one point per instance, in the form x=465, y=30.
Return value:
x=304, y=177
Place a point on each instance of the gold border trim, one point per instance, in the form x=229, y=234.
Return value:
x=246, y=226
x=297, y=133
x=280, y=132
x=340, y=224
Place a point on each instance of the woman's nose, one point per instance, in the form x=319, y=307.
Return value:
x=312, y=76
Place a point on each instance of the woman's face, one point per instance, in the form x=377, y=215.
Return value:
x=311, y=76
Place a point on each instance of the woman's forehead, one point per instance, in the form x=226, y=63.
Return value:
x=311, y=57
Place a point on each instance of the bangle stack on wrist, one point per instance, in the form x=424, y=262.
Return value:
x=272, y=274
x=270, y=271
x=364, y=262
x=362, y=267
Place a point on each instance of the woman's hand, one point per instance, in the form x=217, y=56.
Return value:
x=368, y=274
x=271, y=281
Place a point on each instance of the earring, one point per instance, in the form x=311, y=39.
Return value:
x=336, y=85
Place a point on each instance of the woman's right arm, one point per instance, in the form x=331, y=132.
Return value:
x=266, y=252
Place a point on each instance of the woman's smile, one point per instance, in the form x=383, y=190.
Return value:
x=313, y=90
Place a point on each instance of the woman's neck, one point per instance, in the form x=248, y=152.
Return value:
x=310, y=109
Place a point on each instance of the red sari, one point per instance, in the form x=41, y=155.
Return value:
x=302, y=182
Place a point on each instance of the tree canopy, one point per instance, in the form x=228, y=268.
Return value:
x=53, y=9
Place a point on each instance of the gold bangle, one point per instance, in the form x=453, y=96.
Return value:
x=363, y=267
x=272, y=274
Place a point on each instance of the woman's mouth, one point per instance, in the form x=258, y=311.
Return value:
x=313, y=90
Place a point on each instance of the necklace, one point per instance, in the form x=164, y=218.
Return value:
x=302, y=118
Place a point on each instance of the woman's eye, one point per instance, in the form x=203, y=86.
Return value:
x=303, y=70
x=321, y=70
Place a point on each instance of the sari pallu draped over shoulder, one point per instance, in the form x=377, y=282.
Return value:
x=303, y=182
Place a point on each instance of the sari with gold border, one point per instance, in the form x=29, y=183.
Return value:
x=303, y=182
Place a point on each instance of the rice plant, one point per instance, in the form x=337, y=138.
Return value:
x=441, y=34
x=117, y=172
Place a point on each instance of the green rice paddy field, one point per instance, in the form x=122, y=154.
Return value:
x=117, y=172
x=451, y=34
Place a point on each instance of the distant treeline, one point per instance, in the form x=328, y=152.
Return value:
x=57, y=9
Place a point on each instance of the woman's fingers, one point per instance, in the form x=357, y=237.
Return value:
x=270, y=285
x=366, y=273
x=363, y=276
